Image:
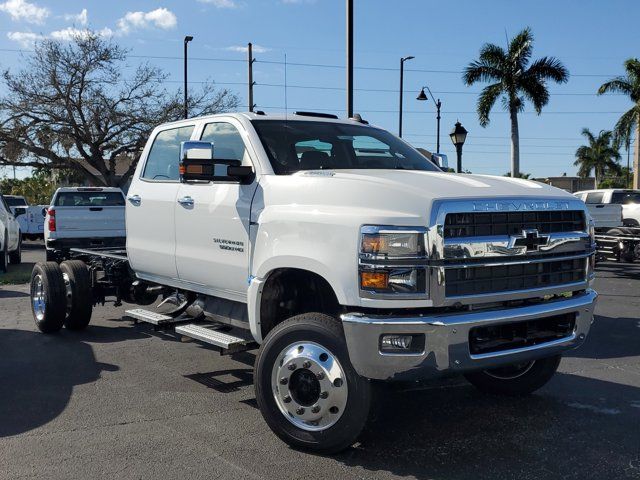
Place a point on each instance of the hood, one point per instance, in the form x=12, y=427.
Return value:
x=440, y=185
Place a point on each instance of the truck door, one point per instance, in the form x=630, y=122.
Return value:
x=212, y=222
x=151, y=240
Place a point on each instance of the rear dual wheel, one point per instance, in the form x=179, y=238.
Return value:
x=61, y=295
x=306, y=388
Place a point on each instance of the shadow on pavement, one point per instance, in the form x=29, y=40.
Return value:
x=459, y=433
x=6, y=292
x=38, y=372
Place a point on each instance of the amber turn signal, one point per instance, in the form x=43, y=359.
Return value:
x=374, y=280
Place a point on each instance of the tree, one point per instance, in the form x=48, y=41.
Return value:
x=520, y=175
x=79, y=106
x=514, y=78
x=629, y=121
x=601, y=155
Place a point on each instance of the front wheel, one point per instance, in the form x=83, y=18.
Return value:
x=4, y=256
x=15, y=257
x=517, y=379
x=307, y=390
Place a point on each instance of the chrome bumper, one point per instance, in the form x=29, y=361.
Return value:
x=447, y=339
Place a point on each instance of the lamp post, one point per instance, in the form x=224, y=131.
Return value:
x=402, y=60
x=458, y=136
x=422, y=97
x=187, y=39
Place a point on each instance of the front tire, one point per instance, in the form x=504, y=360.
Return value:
x=48, y=297
x=4, y=256
x=307, y=390
x=517, y=379
x=78, y=292
x=15, y=257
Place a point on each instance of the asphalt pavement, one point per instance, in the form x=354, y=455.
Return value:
x=120, y=401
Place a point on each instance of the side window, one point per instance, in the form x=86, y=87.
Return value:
x=163, y=161
x=227, y=141
x=594, y=197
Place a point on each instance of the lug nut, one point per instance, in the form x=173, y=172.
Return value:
x=300, y=411
x=292, y=366
x=315, y=409
x=306, y=364
x=284, y=381
x=324, y=395
x=320, y=375
x=287, y=399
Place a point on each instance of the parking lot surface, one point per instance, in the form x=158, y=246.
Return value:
x=120, y=401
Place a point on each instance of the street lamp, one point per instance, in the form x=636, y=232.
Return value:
x=422, y=97
x=187, y=39
x=402, y=60
x=458, y=136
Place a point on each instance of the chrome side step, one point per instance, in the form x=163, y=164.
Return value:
x=220, y=339
x=154, y=318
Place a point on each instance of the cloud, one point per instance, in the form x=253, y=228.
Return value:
x=69, y=33
x=23, y=10
x=25, y=39
x=221, y=3
x=244, y=49
x=159, y=18
x=81, y=18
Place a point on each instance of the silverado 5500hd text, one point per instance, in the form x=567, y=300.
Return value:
x=346, y=256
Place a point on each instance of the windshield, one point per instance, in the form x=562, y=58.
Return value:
x=89, y=199
x=16, y=201
x=295, y=145
x=625, y=198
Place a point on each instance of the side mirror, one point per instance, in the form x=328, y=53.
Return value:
x=19, y=211
x=440, y=159
x=198, y=164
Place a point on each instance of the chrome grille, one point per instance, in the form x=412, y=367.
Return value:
x=481, y=224
x=483, y=279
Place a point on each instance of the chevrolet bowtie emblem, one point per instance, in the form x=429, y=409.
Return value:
x=530, y=239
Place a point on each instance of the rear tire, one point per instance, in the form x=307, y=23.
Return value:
x=515, y=380
x=48, y=297
x=15, y=257
x=307, y=390
x=78, y=293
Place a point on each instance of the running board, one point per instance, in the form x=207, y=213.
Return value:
x=154, y=318
x=227, y=342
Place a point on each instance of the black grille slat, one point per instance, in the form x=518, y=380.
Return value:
x=508, y=336
x=505, y=278
x=480, y=224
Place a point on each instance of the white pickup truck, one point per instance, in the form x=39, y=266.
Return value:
x=30, y=217
x=616, y=199
x=10, y=236
x=346, y=256
x=84, y=217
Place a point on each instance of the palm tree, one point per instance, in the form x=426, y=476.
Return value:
x=628, y=85
x=513, y=79
x=601, y=155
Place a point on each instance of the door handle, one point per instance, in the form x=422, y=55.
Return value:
x=135, y=200
x=186, y=201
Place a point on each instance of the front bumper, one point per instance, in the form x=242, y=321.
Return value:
x=447, y=339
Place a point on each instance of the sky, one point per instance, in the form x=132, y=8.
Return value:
x=301, y=43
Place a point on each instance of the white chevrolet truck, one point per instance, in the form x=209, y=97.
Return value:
x=346, y=257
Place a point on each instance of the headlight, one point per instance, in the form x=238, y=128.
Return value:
x=392, y=242
x=381, y=248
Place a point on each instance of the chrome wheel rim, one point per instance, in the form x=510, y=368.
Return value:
x=510, y=372
x=38, y=298
x=68, y=291
x=309, y=386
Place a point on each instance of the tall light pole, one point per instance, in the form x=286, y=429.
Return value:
x=458, y=136
x=349, y=58
x=187, y=39
x=422, y=97
x=402, y=60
